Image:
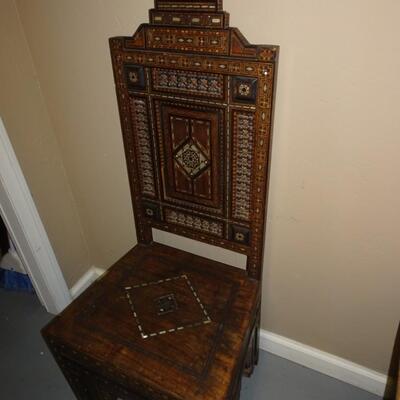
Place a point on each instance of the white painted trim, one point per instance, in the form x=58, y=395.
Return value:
x=27, y=231
x=324, y=363
x=86, y=280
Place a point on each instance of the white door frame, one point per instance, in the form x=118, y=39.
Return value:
x=21, y=217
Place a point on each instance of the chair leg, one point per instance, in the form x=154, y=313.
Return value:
x=257, y=339
x=253, y=350
x=392, y=391
x=236, y=396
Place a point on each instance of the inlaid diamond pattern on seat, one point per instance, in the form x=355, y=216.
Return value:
x=178, y=306
x=191, y=159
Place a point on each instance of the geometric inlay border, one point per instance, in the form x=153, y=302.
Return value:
x=196, y=83
x=144, y=142
x=243, y=126
x=146, y=335
x=194, y=222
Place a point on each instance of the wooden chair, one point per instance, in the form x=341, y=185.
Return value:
x=393, y=387
x=196, y=103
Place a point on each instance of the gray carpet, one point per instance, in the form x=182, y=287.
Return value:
x=27, y=370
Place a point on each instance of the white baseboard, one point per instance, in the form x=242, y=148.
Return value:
x=309, y=357
x=325, y=363
x=87, y=279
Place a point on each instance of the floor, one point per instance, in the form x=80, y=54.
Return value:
x=27, y=370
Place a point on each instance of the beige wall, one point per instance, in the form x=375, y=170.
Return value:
x=333, y=250
x=69, y=44
x=27, y=122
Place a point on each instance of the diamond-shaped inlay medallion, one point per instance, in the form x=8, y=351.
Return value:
x=166, y=306
x=191, y=159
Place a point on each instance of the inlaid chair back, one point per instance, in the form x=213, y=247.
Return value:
x=196, y=104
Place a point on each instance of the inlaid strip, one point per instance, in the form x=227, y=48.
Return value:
x=193, y=222
x=210, y=85
x=243, y=138
x=186, y=5
x=198, y=41
x=201, y=102
x=193, y=62
x=125, y=107
x=261, y=152
x=212, y=20
x=146, y=170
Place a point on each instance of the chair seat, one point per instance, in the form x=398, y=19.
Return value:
x=161, y=323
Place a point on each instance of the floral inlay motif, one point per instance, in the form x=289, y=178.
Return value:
x=190, y=82
x=194, y=222
x=191, y=159
x=244, y=89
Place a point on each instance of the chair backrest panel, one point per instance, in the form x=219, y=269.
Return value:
x=196, y=105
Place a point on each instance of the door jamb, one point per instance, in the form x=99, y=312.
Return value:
x=26, y=229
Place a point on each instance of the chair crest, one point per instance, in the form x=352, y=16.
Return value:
x=207, y=14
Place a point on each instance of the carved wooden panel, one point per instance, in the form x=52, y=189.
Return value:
x=191, y=147
x=200, y=113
